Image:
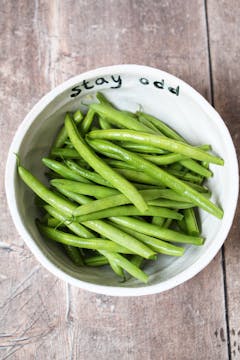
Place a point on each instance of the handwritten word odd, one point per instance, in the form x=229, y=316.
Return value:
x=160, y=85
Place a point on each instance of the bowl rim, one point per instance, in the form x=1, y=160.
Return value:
x=10, y=169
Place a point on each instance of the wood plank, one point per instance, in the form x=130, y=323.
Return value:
x=224, y=33
x=32, y=301
x=47, y=42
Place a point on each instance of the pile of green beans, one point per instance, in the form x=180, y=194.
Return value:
x=124, y=187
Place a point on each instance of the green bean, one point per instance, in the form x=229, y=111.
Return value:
x=63, y=170
x=153, y=230
x=102, y=168
x=174, y=135
x=165, y=129
x=104, y=124
x=164, y=159
x=87, y=122
x=157, y=141
x=117, y=117
x=102, y=99
x=74, y=255
x=112, y=201
x=157, y=245
x=185, y=175
x=52, y=222
x=137, y=260
x=119, y=164
x=44, y=193
x=199, y=188
x=167, y=223
x=170, y=204
x=128, y=210
x=98, y=260
x=115, y=266
x=161, y=175
x=182, y=225
x=79, y=198
x=109, y=231
x=196, y=167
x=126, y=265
x=173, y=157
x=141, y=148
x=158, y=220
x=62, y=135
x=73, y=240
x=172, y=195
x=191, y=222
x=149, y=125
x=138, y=176
x=85, y=189
x=75, y=227
x=77, y=116
x=65, y=153
x=90, y=175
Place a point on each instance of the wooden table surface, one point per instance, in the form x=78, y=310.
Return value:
x=44, y=43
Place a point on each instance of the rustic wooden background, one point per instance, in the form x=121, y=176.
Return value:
x=46, y=42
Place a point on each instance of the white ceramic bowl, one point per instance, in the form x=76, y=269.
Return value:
x=127, y=86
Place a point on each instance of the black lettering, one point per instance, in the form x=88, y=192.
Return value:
x=159, y=84
x=76, y=90
x=117, y=80
x=101, y=81
x=173, y=90
x=86, y=86
x=144, y=81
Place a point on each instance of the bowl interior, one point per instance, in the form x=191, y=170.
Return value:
x=160, y=96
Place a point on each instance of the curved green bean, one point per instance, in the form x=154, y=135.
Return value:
x=63, y=170
x=112, y=201
x=126, y=265
x=87, y=121
x=62, y=135
x=191, y=222
x=84, y=243
x=90, y=175
x=109, y=231
x=78, y=198
x=172, y=204
x=115, y=266
x=119, y=118
x=44, y=193
x=159, y=174
x=65, y=153
x=157, y=245
x=157, y=141
x=154, y=230
x=102, y=168
x=75, y=227
x=129, y=210
x=85, y=189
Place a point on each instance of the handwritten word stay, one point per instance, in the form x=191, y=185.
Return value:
x=114, y=81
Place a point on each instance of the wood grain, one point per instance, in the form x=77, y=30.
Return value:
x=44, y=44
x=224, y=39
